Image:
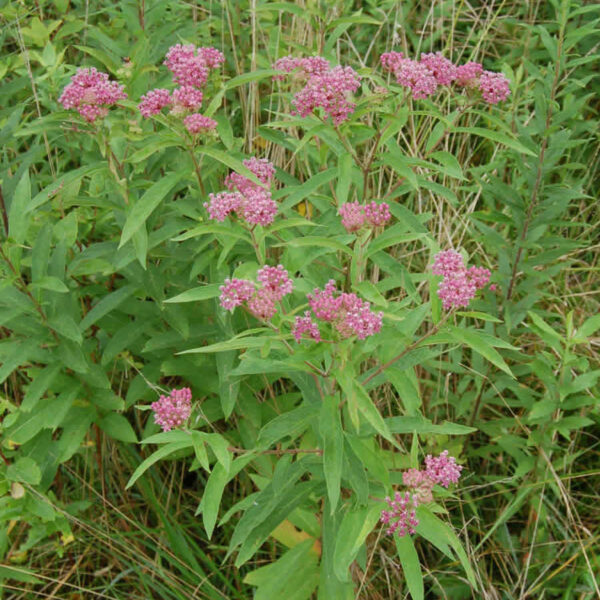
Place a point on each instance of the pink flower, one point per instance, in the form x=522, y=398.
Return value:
x=330, y=91
x=258, y=207
x=212, y=57
x=353, y=216
x=262, y=168
x=459, y=284
x=448, y=262
x=174, y=410
x=234, y=292
x=311, y=65
x=443, y=469
x=188, y=67
x=197, y=123
x=421, y=483
x=480, y=276
x=185, y=98
x=456, y=290
x=401, y=518
x=347, y=312
x=494, y=87
x=377, y=215
x=417, y=77
x=222, y=204
x=262, y=305
x=276, y=280
x=90, y=93
x=468, y=74
x=154, y=101
x=304, y=325
x=442, y=69
x=391, y=61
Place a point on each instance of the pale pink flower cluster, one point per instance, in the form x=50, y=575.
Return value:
x=441, y=470
x=249, y=200
x=424, y=76
x=154, y=101
x=459, y=284
x=261, y=301
x=310, y=65
x=355, y=216
x=90, y=93
x=401, y=518
x=326, y=88
x=306, y=325
x=174, y=410
x=197, y=123
x=190, y=67
x=330, y=91
x=493, y=87
x=348, y=314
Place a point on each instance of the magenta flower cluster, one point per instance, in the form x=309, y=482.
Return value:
x=174, y=410
x=273, y=284
x=355, y=216
x=190, y=67
x=459, y=284
x=423, y=77
x=90, y=93
x=401, y=518
x=327, y=88
x=250, y=201
x=349, y=315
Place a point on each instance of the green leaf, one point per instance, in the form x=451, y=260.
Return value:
x=299, y=193
x=237, y=343
x=220, y=446
x=203, y=292
x=211, y=498
x=421, y=425
x=318, y=242
x=64, y=324
x=356, y=525
x=480, y=345
x=108, y=303
x=292, y=424
x=24, y=470
x=146, y=205
x=409, y=559
x=156, y=456
x=118, y=427
x=39, y=386
x=231, y=162
x=52, y=284
x=18, y=222
x=344, y=177
x=330, y=427
x=496, y=136
x=18, y=574
x=250, y=77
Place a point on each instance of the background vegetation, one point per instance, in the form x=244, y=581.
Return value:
x=78, y=352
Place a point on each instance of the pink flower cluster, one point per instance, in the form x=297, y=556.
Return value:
x=441, y=470
x=190, y=67
x=348, y=314
x=355, y=216
x=90, y=93
x=274, y=284
x=327, y=88
x=249, y=200
x=308, y=66
x=401, y=518
x=459, y=284
x=174, y=410
x=306, y=325
x=197, y=123
x=424, y=76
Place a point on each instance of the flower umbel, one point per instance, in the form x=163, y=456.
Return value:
x=90, y=93
x=401, y=518
x=174, y=410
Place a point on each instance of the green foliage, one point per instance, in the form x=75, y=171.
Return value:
x=111, y=272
